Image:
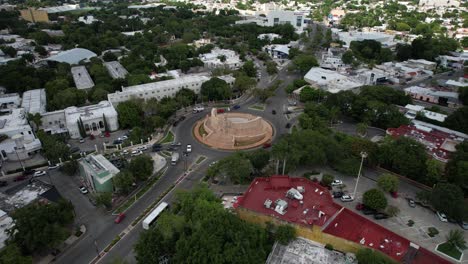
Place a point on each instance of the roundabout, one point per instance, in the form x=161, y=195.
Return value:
x=233, y=130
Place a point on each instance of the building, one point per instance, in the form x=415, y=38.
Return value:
x=336, y=15
x=9, y=102
x=440, y=142
x=268, y=36
x=72, y=56
x=116, y=70
x=270, y=18
x=221, y=58
x=455, y=62
x=60, y=9
x=161, y=89
x=421, y=64
x=88, y=20
x=277, y=51
x=331, y=59
x=82, y=78
x=34, y=101
x=330, y=81
x=17, y=140
x=34, y=15
x=6, y=222
x=309, y=208
x=429, y=4
x=444, y=98
x=412, y=110
x=94, y=119
x=97, y=173
x=387, y=40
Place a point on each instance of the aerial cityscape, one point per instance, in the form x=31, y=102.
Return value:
x=233, y=131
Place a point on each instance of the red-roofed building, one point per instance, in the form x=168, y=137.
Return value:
x=309, y=207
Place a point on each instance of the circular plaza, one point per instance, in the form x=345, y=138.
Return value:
x=232, y=131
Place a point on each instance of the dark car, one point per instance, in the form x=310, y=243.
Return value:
x=119, y=218
x=288, y=125
x=337, y=194
x=28, y=172
x=182, y=118
x=368, y=211
x=20, y=178
x=156, y=147
x=175, y=123
x=273, y=112
x=266, y=145
x=117, y=142
x=379, y=216
x=3, y=183
x=236, y=107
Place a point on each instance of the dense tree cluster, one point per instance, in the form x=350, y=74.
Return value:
x=370, y=51
x=199, y=230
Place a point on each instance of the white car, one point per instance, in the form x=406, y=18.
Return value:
x=213, y=163
x=142, y=148
x=347, y=198
x=39, y=173
x=82, y=140
x=198, y=109
x=189, y=148
x=442, y=216
x=83, y=190
x=124, y=152
x=136, y=153
x=337, y=183
x=54, y=166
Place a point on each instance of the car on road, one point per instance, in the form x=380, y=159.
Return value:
x=175, y=123
x=337, y=194
x=220, y=110
x=117, y=142
x=142, y=148
x=198, y=109
x=411, y=203
x=379, y=216
x=74, y=149
x=101, y=135
x=122, y=138
x=3, y=183
x=176, y=144
x=54, y=166
x=136, y=153
x=189, y=148
x=83, y=190
x=82, y=140
x=273, y=112
x=39, y=173
x=119, y=218
x=235, y=107
x=442, y=216
x=288, y=125
x=156, y=147
x=212, y=163
x=463, y=225
x=337, y=183
x=171, y=148
x=368, y=211
x=182, y=118
x=124, y=152
x=347, y=198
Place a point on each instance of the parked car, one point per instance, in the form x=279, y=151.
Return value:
x=20, y=178
x=117, y=142
x=74, y=149
x=288, y=125
x=182, y=118
x=368, y=211
x=83, y=190
x=337, y=194
x=54, y=166
x=175, y=123
x=3, y=183
x=39, y=173
x=337, y=183
x=101, y=135
x=119, y=218
x=82, y=140
x=156, y=147
x=220, y=110
x=442, y=216
x=463, y=225
x=394, y=194
x=136, y=153
x=189, y=148
x=379, y=216
x=236, y=107
x=124, y=152
x=347, y=198
x=142, y=148
x=359, y=206
x=411, y=203
x=273, y=112
x=266, y=145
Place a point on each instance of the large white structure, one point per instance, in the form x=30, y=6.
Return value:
x=162, y=89
x=270, y=18
x=34, y=101
x=330, y=81
x=347, y=37
x=82, y=78
x=9, y=101
x=221, y=58
x=97, y=173
x=277, y=51
x=93, y=118
x=428, y=4
x=17, y=139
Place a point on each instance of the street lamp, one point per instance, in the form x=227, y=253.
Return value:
x=363, y=156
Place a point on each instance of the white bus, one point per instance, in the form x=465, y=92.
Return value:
x=154, y=215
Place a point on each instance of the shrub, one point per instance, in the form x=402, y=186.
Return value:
x=374, y=199
x=432, y=231
x=327, y=179
x=393, y=210
x=410, y=222
x=285, y=234
x=329, y=246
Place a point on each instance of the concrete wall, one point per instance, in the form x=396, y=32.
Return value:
x=313, y=233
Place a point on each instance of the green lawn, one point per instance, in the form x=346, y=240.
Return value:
x=200, y=159
x=258, y=107
x=449, y=250
x=168, y=138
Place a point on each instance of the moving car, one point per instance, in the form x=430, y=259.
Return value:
x=198, y=109
x=347, y=198
x=83, y=190
x=442, y=216
x=82, y=140
x=39, y=173
x=136, y=153
x=119, y=218
x=273, y=112
x=176, y=144
x=236, y=107
x=336, y=183
x=156, y=147
x=189, y=148
x=411, y=203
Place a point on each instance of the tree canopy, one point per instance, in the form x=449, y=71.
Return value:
x=215, y=89
x=374, y=199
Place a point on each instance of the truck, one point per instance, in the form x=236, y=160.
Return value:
x=174, y=158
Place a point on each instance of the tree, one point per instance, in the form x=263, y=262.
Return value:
x=457, y=167
x=123, y=181
x=109, y=56
x=70, y=168
x=237, y=167
x=53, y=147
x=348, y=57
x=259, y=159
x=463, y=93
x=456, y=239
x=141, y=167
x=374, y=199
x=10, y=51
x=371, y=256
x=243, y=83
x=215, y=89
x=36, y=119
x=41, y=226
x=11, y=253
x=327, y=179
x=104, y=199
x=271, y=67
x=403, y=52
x=388, y=182
x=304, y=62
x=458, y=120
x=434, y=170
x=285, y=234
x=41, y=50
x=130, y=113
x=361, y=129
x=448, y=198
x=263, y=94
x=249, y=69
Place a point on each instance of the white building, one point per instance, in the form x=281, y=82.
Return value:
x=413, y=110
x=268, y=36
x=116, y=70
x=330, y=81
x=162, y=89
x=17, y=138
x=277, y=51
x=92, y=117
x=82, y=78
x=456, y=62
x=271, y=18
x=428, y=4
x=347, y=37
x=88, y=20
x=9, y=101
x=34, y=101
x=221, y=58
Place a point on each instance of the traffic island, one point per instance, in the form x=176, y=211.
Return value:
x=449, y=250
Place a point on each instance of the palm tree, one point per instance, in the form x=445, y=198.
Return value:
x=456, y=239
x=361, y=129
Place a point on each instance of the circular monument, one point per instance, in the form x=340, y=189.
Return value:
x=233, y=131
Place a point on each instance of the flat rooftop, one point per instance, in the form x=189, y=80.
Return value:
x=316, y=199
x=116, y=70
x=81, y=77
x=34, y=101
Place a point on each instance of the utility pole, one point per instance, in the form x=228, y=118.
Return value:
x=363, y=156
